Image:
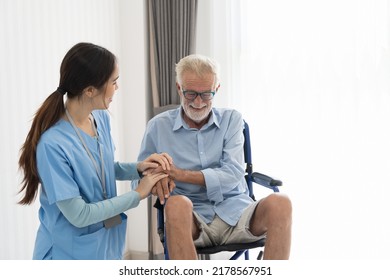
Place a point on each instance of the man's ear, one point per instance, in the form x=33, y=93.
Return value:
x=216, y=89
x=90, y=91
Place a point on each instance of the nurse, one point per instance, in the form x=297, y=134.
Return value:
x=70, y=153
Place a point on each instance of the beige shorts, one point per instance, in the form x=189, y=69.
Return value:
x=218, y=232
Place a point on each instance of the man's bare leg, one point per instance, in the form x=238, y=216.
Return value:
x=181, y=228
x=273, y=215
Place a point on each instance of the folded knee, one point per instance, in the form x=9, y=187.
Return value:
x=278, y=205
x=178, y=205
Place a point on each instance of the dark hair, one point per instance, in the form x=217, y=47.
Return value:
x=84, y=65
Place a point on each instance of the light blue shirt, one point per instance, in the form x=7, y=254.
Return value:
x=66, y=174
x=216, y=150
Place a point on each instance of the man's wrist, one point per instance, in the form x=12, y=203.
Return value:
x=173, y=174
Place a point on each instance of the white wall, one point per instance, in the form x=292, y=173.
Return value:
x=34, y=37
x=135, y=108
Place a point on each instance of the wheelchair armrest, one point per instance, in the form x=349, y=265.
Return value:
x=266, y=181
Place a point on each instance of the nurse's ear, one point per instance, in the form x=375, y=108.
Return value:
x=90, y=91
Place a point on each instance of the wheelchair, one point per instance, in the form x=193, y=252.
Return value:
x=240, y=248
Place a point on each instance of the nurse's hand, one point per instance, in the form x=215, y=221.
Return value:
x=153, y=161
x=148, y=182
x=163, y=189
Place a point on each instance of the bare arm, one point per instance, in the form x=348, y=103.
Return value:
x=186, y=176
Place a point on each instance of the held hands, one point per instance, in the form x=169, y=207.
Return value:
x=147, y=183
x=158, y=164
x=163, y=160
x=163, y=189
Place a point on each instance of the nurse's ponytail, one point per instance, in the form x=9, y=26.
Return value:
x=47, y=115
x=84, y=65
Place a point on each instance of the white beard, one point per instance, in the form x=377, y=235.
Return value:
x=196, y=116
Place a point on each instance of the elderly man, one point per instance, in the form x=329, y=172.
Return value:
x=209, y=204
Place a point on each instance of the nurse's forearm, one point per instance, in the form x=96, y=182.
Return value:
x=126, y=171
x=82, y=214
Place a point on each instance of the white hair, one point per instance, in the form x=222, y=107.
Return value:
x=199, y=64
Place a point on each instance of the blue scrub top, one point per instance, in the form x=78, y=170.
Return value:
x=66, y=172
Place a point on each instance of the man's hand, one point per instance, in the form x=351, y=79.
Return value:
x=163, y=189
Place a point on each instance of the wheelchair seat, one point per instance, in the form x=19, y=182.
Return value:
x=250, y=177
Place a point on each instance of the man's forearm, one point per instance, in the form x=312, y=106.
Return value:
x=187, y=176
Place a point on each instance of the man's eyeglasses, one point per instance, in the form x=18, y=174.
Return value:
x=191, y=95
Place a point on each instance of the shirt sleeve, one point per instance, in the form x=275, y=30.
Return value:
x=126, y=171
x=82, y=214
x=224, y=179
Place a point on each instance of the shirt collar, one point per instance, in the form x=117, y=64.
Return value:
x=215, y=118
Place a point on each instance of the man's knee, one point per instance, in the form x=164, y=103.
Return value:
x=280, y=203
x=178, y=206
x=276, y=207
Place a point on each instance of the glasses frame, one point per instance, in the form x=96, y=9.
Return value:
x=197, y=94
